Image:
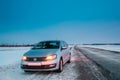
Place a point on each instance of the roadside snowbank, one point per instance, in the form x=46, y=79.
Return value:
x=106, y=47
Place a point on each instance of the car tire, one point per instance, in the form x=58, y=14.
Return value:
x=60, y=65
x=69, y=61
x=26, y=71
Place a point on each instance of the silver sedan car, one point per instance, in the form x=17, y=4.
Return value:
x=46, y=56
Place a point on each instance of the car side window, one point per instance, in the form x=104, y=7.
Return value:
x=62, y=44
x=66, y=45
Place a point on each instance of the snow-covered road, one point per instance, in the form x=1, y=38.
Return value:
x=81, y=68
x=107, y=60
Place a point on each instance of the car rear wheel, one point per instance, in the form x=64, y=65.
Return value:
x=60, y=66
x=69, y=59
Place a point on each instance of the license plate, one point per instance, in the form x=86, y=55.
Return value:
x=34, y=64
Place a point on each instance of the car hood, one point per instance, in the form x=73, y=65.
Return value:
x=40, y=52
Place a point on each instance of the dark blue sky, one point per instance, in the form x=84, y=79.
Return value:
x=75, y=21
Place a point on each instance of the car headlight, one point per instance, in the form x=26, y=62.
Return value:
x=50, y=57
x=24, y=58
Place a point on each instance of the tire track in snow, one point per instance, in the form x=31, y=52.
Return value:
x=89, y=68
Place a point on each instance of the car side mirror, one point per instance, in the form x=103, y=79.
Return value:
x=63, y=48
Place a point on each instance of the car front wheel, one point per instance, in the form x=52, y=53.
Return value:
x=60, y=66
x=26, y=71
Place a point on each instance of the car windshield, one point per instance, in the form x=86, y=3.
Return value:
x=47, y=45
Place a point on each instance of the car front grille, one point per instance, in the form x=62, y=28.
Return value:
x=35, y=58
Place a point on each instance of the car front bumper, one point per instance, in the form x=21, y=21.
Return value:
x=44, y=66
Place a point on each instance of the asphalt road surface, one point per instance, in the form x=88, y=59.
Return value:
x=84, y=66
x=107, y=61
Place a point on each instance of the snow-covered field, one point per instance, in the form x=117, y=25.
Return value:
x=10, y=58
x=106, y=47
x=11, y=55
x=77, y=70
x=10, y=67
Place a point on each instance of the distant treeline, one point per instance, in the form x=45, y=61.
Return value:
x=31, y=45
x=17, y=45
x=103, y=44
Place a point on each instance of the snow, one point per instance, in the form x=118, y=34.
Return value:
x=11, y=55
x=108, y=60
x=10, y=58
x=10, y=67
x=106, y=47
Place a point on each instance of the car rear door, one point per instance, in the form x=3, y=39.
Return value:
x=64, y=52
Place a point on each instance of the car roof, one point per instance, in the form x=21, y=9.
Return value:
x=51, y=40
